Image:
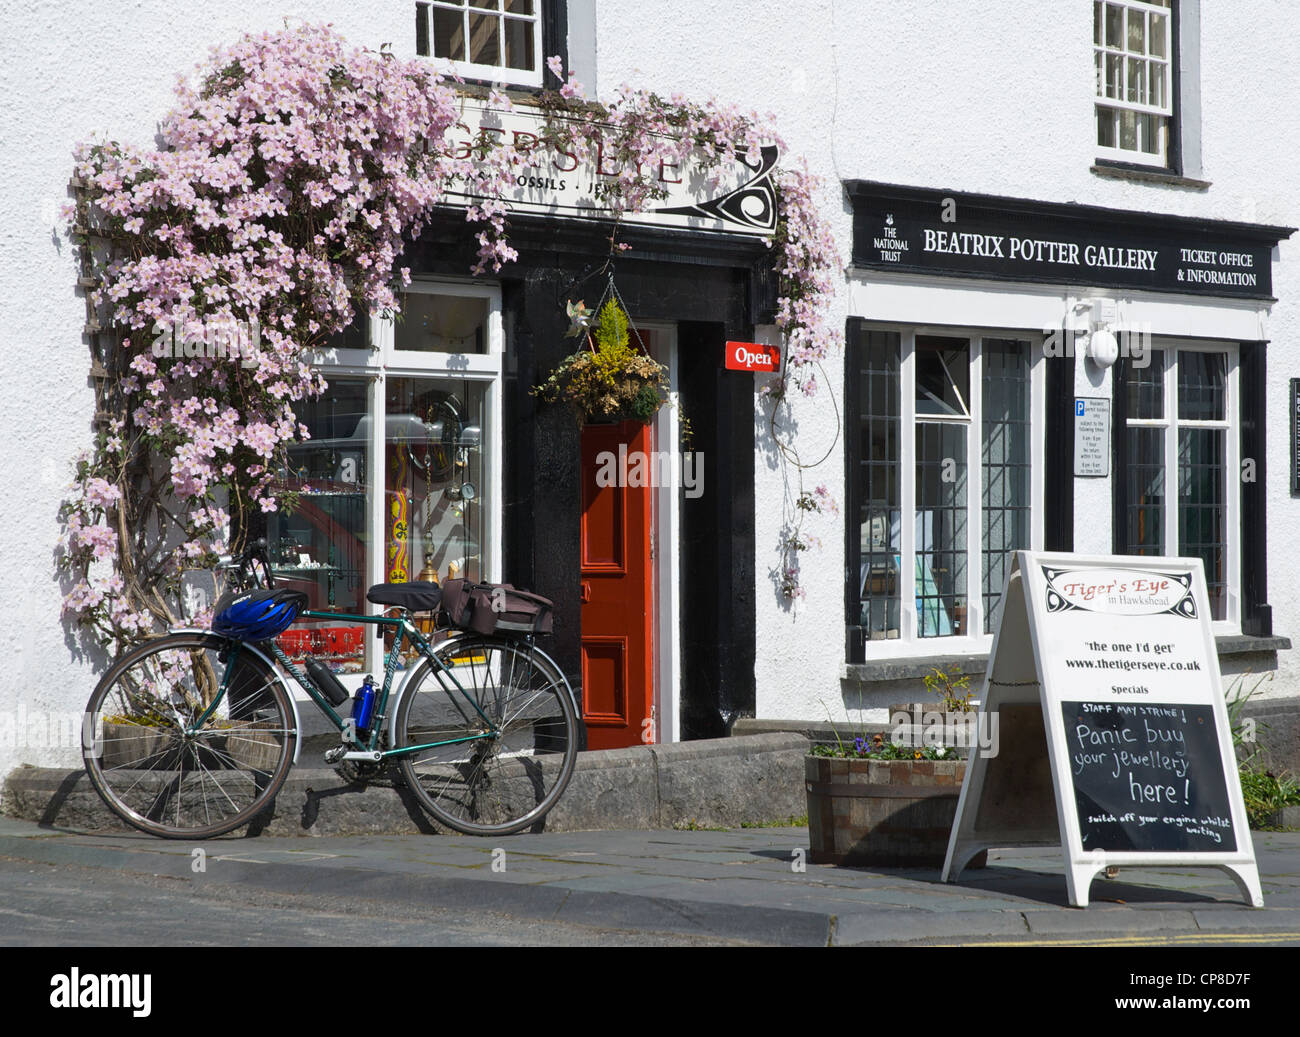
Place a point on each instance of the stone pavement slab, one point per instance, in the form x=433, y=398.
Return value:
x=743, y=884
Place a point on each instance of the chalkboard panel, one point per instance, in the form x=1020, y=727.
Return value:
x=1148, y=777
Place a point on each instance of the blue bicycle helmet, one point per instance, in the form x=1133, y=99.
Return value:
x=257, y=615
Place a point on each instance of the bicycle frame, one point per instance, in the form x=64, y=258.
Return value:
x=402, y=628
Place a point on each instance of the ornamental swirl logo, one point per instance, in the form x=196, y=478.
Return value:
x=1120, y=592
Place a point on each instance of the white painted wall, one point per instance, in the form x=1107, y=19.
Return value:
x=73, y=74
x=993, y=98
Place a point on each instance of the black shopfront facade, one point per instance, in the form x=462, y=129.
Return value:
x=709, y=289
x=986, y=332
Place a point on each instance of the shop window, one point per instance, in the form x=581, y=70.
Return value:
x=942, y=490
x=493, y=40
x=1177, y=437
x=1134, y=62
x=874, y=481
x=435, y=322
x=433, y=468
x=318, y=540
x=1006, y=491
x=399, y=478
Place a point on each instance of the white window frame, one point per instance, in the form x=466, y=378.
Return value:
x=909, y=644
x=1171, y=423
x=383, y=360
x=501, y=73
x=1106, y=107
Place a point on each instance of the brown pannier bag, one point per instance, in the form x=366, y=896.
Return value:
x=495, y=608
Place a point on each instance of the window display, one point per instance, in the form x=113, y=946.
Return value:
x=939, y=479
x=318, y=540
x=395, y=483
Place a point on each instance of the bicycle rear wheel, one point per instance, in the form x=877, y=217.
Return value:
x=495, y=752
x=155, y=770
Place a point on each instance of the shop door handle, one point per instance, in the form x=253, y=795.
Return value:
x=584, y=595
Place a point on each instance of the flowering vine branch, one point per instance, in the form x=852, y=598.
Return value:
x=275, y=212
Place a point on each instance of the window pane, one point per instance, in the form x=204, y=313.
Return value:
x=519, y=6
x=1146, y=491
x=1137, y=36
x=1158, y=72
x=1128, y=131
x=1159, y=26
x=1114, y=76
x=1005, y=456
x=433, y=480
x=1149, y=127
x=941, y=529
x=942, y=375
x=519, y=44
x=1137, y=81
x=431, y=323
x=1115, y=26
x=317, y=541
x=1106, y=127
x=355, y=336
x=1202, y=378
x=1146, y=387
x=1202, y=514
x=448, y=34
x=484, y=41
x=490, y=5
x=877, y=490
x=1097, y=8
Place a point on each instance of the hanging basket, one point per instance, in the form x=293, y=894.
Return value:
x=611, y=378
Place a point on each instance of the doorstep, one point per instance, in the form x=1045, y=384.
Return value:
x=722, y=783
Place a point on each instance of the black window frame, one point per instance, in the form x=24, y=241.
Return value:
x=1173, y=165
x=1255, y=614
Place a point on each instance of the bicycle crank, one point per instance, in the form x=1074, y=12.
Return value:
x=338, y=755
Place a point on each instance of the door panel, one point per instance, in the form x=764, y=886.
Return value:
x=617, y=589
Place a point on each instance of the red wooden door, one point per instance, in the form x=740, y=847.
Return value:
x=617, y=587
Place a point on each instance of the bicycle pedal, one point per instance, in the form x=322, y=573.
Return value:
x=333, y=756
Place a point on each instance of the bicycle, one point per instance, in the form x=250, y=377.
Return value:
x=192, y=735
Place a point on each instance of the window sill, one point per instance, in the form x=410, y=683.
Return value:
x=1149, y=176
x=915, y=669
x=1236, y=644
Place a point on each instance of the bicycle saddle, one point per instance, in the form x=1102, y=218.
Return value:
x=415, y=597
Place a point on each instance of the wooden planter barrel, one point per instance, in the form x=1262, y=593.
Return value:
x=888, y=813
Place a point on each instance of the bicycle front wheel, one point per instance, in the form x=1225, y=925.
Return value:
x=162, y=773
x=491, y=740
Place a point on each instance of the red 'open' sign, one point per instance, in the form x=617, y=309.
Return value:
x=750, y=356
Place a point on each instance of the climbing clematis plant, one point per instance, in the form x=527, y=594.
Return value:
x=290, y=174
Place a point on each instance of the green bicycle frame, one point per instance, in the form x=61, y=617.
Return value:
x=402, y=628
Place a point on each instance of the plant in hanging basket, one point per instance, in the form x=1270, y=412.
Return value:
x=610, y=379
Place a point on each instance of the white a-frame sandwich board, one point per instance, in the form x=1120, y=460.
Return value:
x=1113, y=735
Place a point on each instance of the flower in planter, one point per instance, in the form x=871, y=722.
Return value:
x=952, y=688
x=611, y=379
x=879, y=749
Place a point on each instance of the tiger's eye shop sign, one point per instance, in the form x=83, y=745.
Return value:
x=1121, y=658
x=941, y=232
